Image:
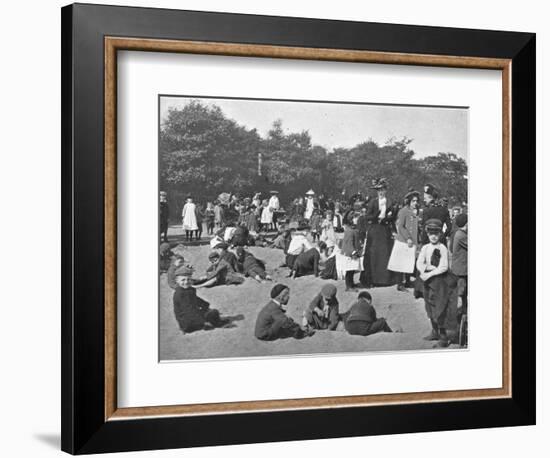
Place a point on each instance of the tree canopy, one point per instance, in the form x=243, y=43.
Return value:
x=204, y=153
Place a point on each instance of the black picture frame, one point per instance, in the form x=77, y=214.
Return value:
x=84, y=427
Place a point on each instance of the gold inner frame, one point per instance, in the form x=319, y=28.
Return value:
x=114, y=44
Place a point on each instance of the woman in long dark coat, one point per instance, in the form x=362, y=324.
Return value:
x=380, y=219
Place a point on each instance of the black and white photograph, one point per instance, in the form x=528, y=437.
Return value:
x=294, y=227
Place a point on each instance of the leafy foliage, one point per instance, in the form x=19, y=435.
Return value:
x=204, y=153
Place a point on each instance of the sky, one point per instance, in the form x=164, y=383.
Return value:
x=333, y=125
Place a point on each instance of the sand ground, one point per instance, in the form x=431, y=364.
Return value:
x=243, y=302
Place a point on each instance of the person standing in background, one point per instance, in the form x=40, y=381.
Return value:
x=351, y=252
x=218, y=215
x=402, y=260
x=189, y=219
x=199, y=215
x=362, y=225
x=267, y=216
x=309, y=204
x=459, y=262
x=315, y=224
x=210, y=217
x=379, y=244
x=434, y=211
x=274, y=207
x=163, y=218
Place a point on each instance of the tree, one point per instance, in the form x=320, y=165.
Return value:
x=200, y=148
x=448, y=173
x=204, y=152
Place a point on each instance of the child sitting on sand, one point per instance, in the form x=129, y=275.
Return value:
x=361, y=319
x=192, y=313
x=322, y=312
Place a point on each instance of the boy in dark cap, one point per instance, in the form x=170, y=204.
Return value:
x=192, y=313
x=273, y=323
x=361, y=319
x=178, y=260
x=322, y=312
x=439, y=288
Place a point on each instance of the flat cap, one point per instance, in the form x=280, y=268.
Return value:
x=278, y=289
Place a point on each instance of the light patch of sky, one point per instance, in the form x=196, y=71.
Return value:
x=333, y=125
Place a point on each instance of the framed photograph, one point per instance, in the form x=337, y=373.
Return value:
x=266, y=223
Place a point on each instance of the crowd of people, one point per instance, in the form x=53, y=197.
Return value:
x=418, y=246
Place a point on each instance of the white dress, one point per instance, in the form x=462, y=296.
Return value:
x=327, y=233
x=267, y=216
x=309, y=208
x=274, y=203
x=189, y=218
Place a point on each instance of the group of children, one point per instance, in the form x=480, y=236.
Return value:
x=309, y=245
x=322, y=313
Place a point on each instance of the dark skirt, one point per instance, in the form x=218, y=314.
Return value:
x=377, y=255
x=329, y=272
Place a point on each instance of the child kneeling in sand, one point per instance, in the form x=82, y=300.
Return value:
x=361, y=320
x=193, y=313
x=322, y=312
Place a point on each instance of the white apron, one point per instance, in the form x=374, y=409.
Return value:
x=402, y=258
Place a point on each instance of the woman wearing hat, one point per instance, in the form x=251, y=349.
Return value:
x=404, y=248
x=378, y=247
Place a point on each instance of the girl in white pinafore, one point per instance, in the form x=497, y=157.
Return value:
x=189, y=219
x=267, y=216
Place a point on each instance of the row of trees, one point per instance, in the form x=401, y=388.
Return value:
x=204, y=153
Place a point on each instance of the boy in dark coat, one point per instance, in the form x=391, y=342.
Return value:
x=273, y=323
x=361, y=319
x=192, y=313
x=322, y=312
